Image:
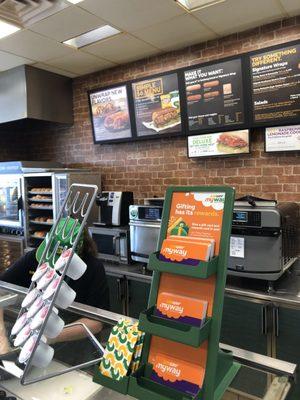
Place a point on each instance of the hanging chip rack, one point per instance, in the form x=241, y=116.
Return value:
x=76, y=207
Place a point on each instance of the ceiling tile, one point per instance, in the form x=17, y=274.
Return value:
x=56, y=70
x=131, y=15
x=236, y=15
x=67, y=24
x=8, y=61
x=176, y=33
x=121, y=48
x=31, y=45
x=292, y=7
x=80, y=63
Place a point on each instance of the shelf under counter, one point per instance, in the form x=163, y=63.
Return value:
x=40, y=193
x=40, y=200
x=40, y=208
x=41, y=223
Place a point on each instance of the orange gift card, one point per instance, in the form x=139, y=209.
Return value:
x=193, y=288
x=197, y=240
x=178, y=374
x=181, y=308
x=189, y=364
x=186, y=252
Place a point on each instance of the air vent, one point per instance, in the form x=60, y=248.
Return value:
x=26, y=12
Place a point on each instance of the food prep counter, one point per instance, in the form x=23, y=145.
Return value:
x=78, y=384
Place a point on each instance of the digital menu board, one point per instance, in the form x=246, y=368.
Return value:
x=219, y=144
x=157, y=105
x=110, y=114
x=275, y=80
x=282, y=138
x=214, y=96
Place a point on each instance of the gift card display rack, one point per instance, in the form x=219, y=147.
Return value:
x=68, y=227
x=207, y=280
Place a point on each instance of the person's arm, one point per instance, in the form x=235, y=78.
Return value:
x=78, y=332
x=4, y=343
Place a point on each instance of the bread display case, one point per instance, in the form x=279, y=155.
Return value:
x=79, y=385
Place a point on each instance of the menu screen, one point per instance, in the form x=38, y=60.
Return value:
x=214, y=95
x=282, y=138
x=275, y=79
x=110, y=114
x=219, y=144
x=157, y=105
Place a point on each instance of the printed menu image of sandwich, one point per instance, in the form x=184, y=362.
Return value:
x=219, y=144
x=165, y=116
x=102, y=110
x=117, y=121
x=157, y=105
x=110, y=114
x=233, y=142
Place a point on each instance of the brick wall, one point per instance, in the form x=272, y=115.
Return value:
x=148, y=167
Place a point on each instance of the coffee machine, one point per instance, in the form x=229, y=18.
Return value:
x=114, y=208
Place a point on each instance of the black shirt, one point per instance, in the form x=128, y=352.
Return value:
x=91, y=288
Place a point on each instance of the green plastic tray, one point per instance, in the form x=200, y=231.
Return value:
x=203, y=270
x=143, y=388
x=173, y=330
x=120, y=386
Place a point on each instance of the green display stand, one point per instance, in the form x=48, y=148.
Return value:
x=120, y=386
x=220, y=368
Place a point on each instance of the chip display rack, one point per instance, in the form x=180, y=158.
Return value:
x=75, y=211
x=220, y=369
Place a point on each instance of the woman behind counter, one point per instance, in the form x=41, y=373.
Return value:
x=91, y=289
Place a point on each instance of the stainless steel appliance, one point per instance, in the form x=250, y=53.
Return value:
x=264, y=241
x=113, y=208
x=11, y=218
x=32, y=96
x=144, y=222
x=112, y=243
x=11, y=249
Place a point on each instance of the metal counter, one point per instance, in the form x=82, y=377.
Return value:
x=284, y=371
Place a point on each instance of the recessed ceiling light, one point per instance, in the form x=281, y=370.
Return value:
x=7, y=29
x=93, y=36
x=74, y=1
x=192, y=5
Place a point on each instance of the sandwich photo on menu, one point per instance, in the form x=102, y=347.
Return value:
x=233, y=142
x=219, y=144
x=157, y=105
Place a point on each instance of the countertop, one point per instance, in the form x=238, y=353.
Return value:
x=285, y=290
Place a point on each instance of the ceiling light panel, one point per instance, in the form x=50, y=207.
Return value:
x=75, y=1
x=192, y=5
x=7, y=29
x=93, y=36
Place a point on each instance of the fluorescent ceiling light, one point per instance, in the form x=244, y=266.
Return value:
x=192, y=5
x=93, y=36
x=74, y=1
x=7, y=29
